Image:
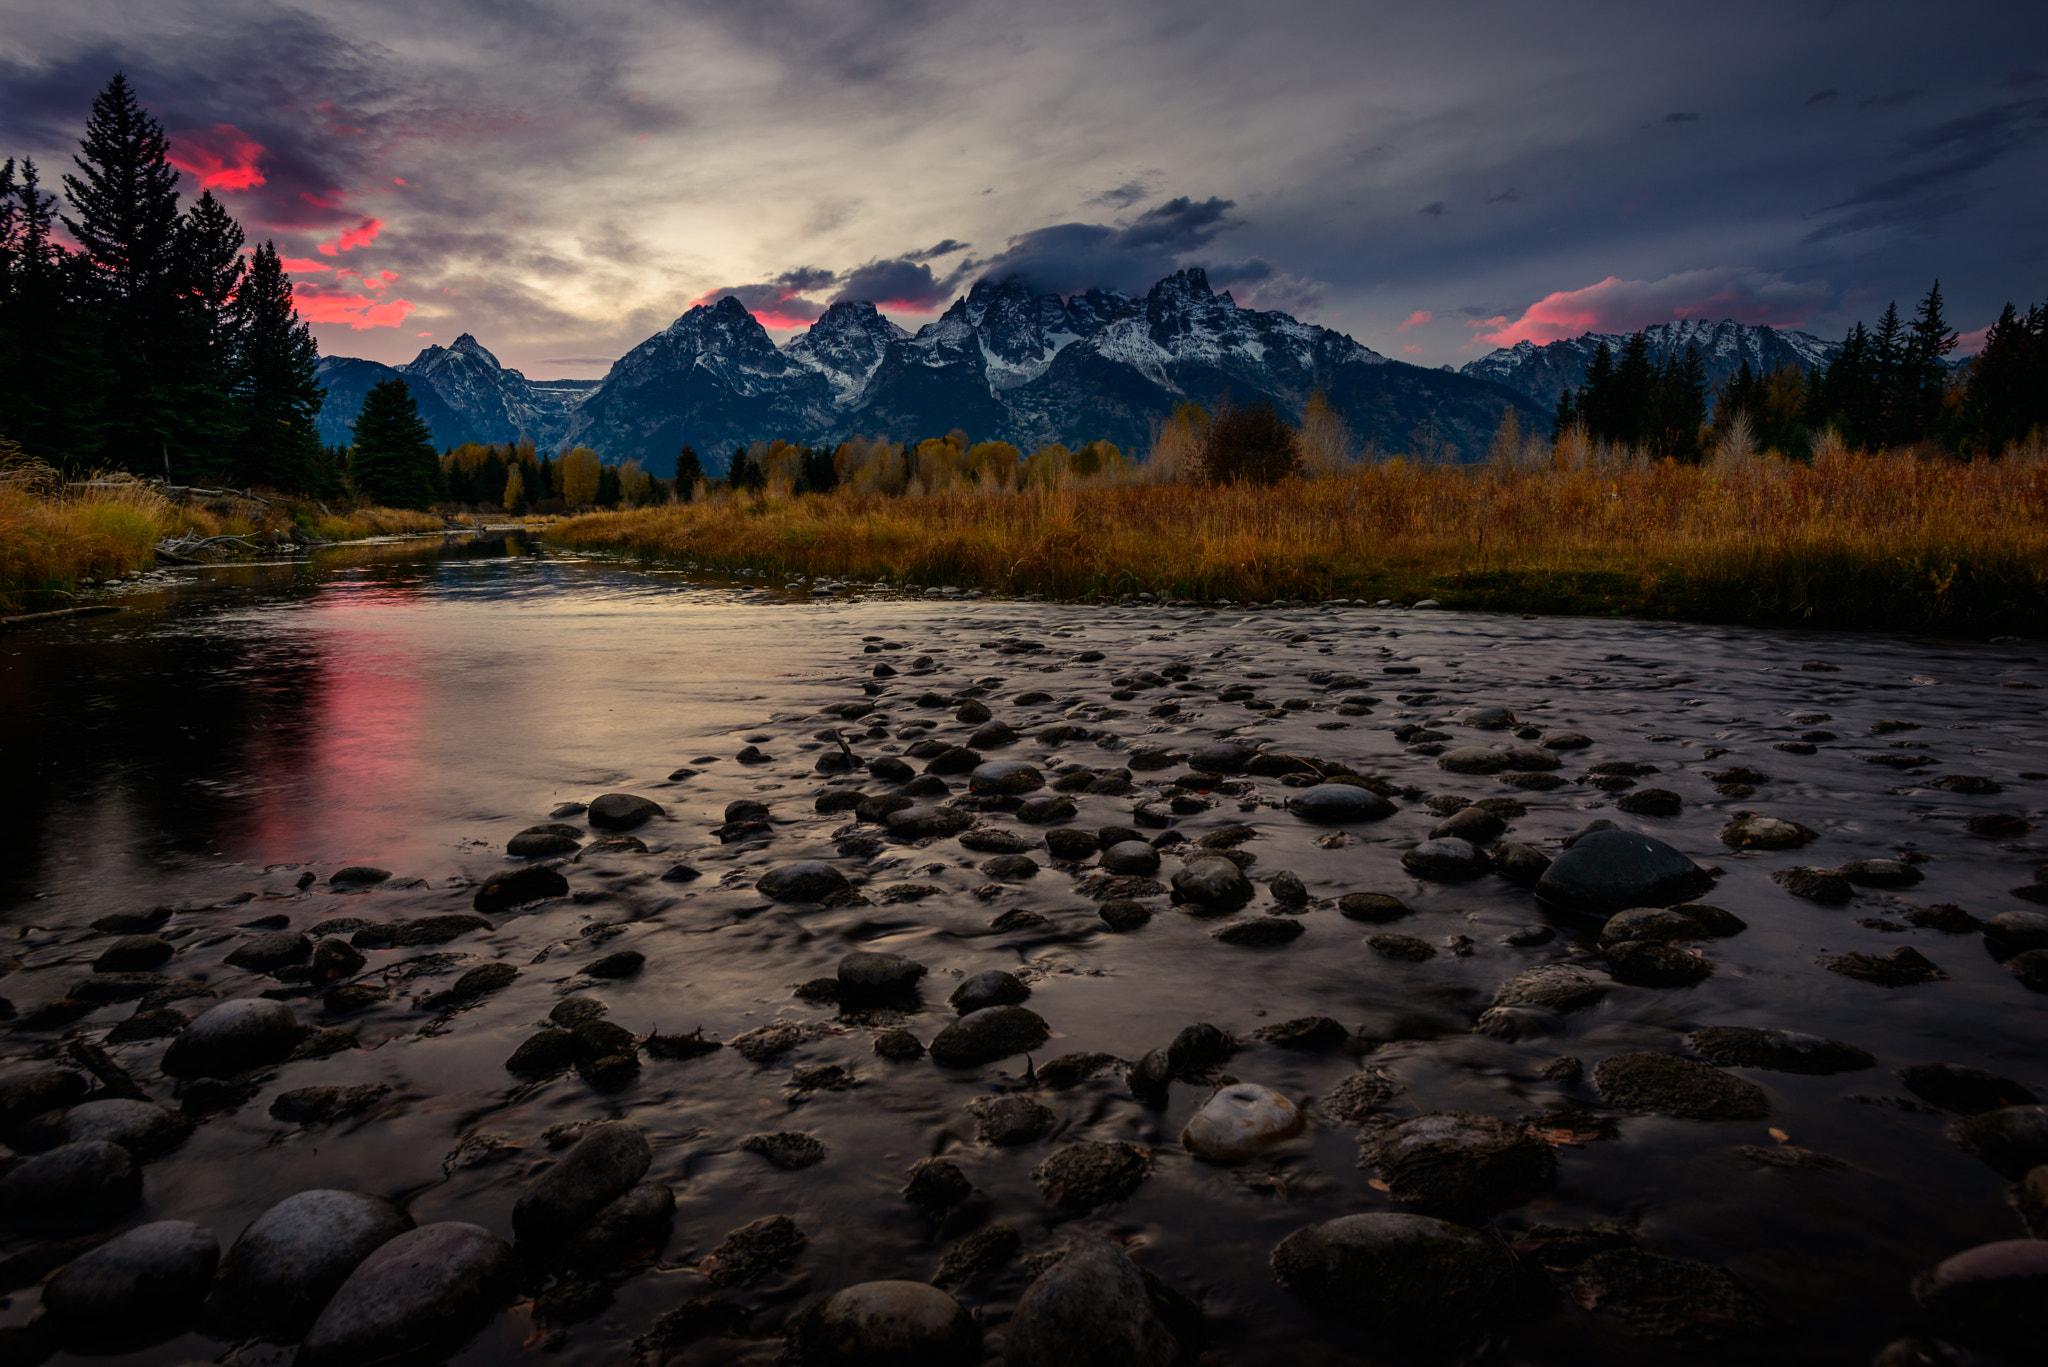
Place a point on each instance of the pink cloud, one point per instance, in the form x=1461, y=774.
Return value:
x=1616, y=305
x=318, y=304
x=220, y=158
x=1972, y=342
x=362, y=235
x=295, y=266
x=1411, y=350
x=1417, y=319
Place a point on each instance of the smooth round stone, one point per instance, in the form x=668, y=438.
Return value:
x=272, y=951
x=433, y=1286
x=289, y=1263
x=1004, y=777
x=1659, y=924
x=1222, y=758
x=1489, y=719
x=539, y=842
x=1459, y=1164
x=1091, y=1309
x=992, y=987
x=1997, y=1289
x=1565, y=740
x=134, y=954
x=1130, y=856
x=2010, y=1140
x=1213, y=883
x=84, y=1183
x=1554, y=987
x=1374, y=908
x=864, y=975
x=152, y=1271
x=232, y=1038
x=1474, y=824
x=885, y=1324
x=1523, y=865
x=1649, y=963
x=807, y=880
x=915, y=823
x=519, y=887
x=1410, y=1276
x=1473, y=759
x=141, y=1127
x=1010, y=866
x=1880, y=873
x=603, y=1166
x=1339, y=802
x=989, y=1034
x=636, y=1220
x=1445, y=861
x=2011, y=933
x=1239, y=1121
x=1610, y=871
x=1963, y=1089
x=622, y=811
x=1514, y=1023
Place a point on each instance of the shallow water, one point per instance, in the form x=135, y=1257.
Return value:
x=413, y=707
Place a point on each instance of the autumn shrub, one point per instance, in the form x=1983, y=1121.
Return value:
x=1250, y=443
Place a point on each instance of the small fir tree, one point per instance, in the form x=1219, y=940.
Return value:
x=393, y=457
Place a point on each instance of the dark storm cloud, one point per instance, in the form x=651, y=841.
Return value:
x=1070, y=257
x=562, y=180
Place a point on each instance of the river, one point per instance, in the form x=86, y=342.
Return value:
x=413, y=707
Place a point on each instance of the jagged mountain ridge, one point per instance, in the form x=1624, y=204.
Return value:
x=348, y=379
x=1542, y=373
x=1002, y=362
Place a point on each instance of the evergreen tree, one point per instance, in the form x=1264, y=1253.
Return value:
x=1887, y=357
x=51, y=375
x=1567, y=415
x=1631, y=412
x=742, y=472
x=544, y=486
x=277, y=395
x=126, y=200
x=393, y=457
x=689, y=470
x=608, y=495
x=1597, y=395
x=2006, y=400
x=1923, y=375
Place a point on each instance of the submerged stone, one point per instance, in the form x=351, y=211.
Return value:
x=1241, y=1120
x=1678, y=1087
x=292, y=1259
x=1412, y=1277
x=433, y=1286
x=885, y=1324
x=1458, y=1164
x=1609, y=871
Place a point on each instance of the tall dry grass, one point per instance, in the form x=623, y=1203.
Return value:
x=56, y=535
x=1853, y=540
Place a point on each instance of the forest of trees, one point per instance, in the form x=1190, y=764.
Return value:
x=158, y=344
x=1890, y=387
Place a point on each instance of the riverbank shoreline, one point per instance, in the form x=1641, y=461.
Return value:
x=1863, y=544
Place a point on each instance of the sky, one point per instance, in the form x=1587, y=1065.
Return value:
x=564, y=180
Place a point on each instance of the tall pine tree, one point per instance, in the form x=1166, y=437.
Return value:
x=126, y=201
x=51, y=375
x=277, y=396
x=392, y=461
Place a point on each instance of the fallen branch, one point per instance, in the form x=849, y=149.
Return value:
x=30, y=619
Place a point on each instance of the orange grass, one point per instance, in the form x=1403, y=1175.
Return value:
x=1883, y=541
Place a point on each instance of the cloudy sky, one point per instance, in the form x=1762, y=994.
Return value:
x=1434, y=179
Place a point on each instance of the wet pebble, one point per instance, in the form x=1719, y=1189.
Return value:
x=1212, y=884
x=605, y=1163
x=1781, y=1051
x=2010, y=1140
x=1678, y=1087
x=1996, y=1291
x=807, y=880
x=520, y=887
x=434, y=1285
x=154, y=1271
x=143, y=1128
x=866, y=976
x=754, y=1252
x=1010, y=867
x=1084, y=1176
x=1374, y=908
x=1241, y=1120
x=1445, y=861
x=885, y=1324
x=1554, y=987
x=232, y=1038
x=1963, y=1089
x=1005, y=777
x=991, y=987
x=989, y=1034
x=1130, y=857
x=1751, y=831
x=1413, y=1277
x=622, y=811
x=1824, y=886
x=1090, y=1309
x=1334, y=803
x=1010, y=1119
x=790, y=1150
x=1458, y=1164
x=292, y=1258
x=638, y=1220
x=1652, y=963
x=1608, y=871
x=1259, y=931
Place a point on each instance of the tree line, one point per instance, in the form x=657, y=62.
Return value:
x=1890, y=386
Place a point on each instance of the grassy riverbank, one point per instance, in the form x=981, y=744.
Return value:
x=1853, y=541
x=54, y=536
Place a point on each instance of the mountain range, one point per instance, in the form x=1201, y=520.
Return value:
x=1003, y=362
x=1542, y=373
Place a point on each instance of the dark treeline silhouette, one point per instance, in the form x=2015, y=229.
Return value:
x=157, y=345
x=1890, y=386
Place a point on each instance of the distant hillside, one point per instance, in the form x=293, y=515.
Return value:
x=1542, y=373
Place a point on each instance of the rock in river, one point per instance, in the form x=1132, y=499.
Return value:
x=1609, y=871
x=289, y=1263
x=622, y=811
x=1676, y=1086
x=141, y=1127
x=989, y=1034
x=2010, y=1140
x=1474, y=759
x=1213, y=883
x=1091, y=1309
x=1781, y=1051
x=885, y=1324
x=1130, y=856
x=232, y=1038
x=1409, y=1276
x=1240, y=1121
x=432, y=1287
x=807, y=880
x=991, y=987
x=1554, y=987
x=154, y=1271
x=605, y=1164
x=1445, y=861
x=1458, y=1164
x=84, y=1183
x=1006, y=778
x=865, y=976
x=1996, y=1291
x=1963, y=1089
x=1339, y=802
x=520, y=886
x=1752, y=831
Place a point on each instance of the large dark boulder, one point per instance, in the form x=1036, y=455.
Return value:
x=424, y=1291
x=291, y=1260
x=1610, y=871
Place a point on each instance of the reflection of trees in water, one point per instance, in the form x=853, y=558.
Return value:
x=159, y=724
